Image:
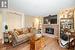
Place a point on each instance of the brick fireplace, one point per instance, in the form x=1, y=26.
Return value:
x=54, y=28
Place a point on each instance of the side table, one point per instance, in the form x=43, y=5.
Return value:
x=1, y=45
x=6, y=40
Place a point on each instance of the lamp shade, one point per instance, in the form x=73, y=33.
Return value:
x=6, y=27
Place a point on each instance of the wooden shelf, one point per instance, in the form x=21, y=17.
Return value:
x=66, y=18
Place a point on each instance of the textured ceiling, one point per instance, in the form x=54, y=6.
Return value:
x=40, y=7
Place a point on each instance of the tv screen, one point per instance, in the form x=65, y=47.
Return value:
x=51, y=18
x=53, y=21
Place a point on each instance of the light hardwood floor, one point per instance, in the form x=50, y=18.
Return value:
x=51, y=44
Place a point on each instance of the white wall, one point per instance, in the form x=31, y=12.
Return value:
x=28, y=21
x=40, y=7
x=31, y=20
x=0, y=26
x=13, y=19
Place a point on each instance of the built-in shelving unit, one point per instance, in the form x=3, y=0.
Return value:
x=66, y=23
x=67, y=19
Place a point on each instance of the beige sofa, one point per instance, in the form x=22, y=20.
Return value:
x=20, y=37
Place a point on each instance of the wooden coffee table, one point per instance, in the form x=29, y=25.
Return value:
x=37, y=44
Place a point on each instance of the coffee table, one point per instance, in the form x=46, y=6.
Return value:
x=37, y=44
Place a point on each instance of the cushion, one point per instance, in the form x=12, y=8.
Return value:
x=15, y=35
x=38, y=36
x=22, y=37
x=25, y=31
x=28, y=34
x=18, y=31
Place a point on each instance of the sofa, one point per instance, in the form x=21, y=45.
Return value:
x=23, y=35
x=20, y=36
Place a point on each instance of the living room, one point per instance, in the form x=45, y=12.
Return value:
x=38, y=25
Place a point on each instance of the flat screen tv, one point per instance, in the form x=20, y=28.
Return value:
x=51, y=18
x=53, y=21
